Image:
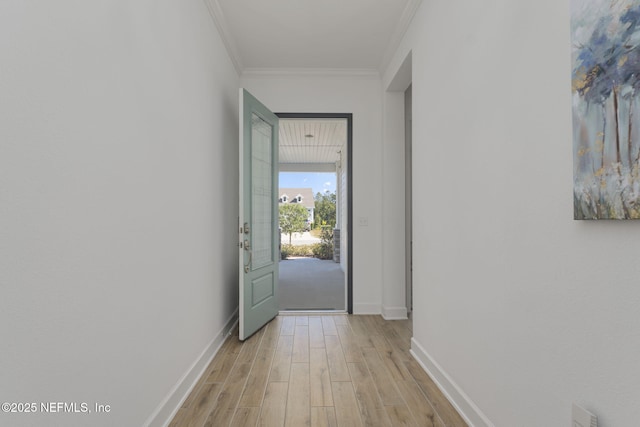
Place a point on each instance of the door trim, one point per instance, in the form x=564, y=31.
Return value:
x=349, y=118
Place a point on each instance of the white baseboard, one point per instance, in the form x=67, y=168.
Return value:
x=460, y=401
x=366, y=308
x=394, y=313
x=169, y=406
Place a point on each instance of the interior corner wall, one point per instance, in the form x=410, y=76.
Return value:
x=519, y=310
x=118, y=204
x=359, y=95
x=394, y=304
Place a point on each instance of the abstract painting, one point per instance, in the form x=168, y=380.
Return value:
x=605, y=36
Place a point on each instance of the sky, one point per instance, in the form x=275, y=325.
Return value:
x=319, y=182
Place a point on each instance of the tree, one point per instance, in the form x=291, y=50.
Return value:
x=293, y=218
x=607, y=66
x=606, y=74
x=593, y=75
x=629, y=65
x=325, y=209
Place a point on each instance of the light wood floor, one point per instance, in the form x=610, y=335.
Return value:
x=318, y=371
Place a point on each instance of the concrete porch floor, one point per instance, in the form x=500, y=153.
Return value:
x=311, y=284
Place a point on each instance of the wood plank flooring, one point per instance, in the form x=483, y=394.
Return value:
x=334, y=370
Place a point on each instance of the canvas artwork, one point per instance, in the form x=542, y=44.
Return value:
x=605, y=37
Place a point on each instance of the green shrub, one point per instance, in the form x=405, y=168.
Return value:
x=296, y=250
x=285, y=251
x=324, y=249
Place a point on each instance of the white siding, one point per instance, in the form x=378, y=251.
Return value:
x=344, y=219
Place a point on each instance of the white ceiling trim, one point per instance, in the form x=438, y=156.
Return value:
x=215, y=10
x=221, y=24
x=311, y=72
x=403, y=25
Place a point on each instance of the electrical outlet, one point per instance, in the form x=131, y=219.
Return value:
x=363, y=221
x=580, y=417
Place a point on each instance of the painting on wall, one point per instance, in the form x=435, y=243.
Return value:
x=605, y=36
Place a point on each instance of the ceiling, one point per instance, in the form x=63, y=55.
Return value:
x=311, y=141
x=299, y=35
x=312, y=34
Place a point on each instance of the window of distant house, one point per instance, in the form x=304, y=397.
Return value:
x=283, y=199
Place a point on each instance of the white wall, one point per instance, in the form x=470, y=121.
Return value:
x=118, y=209
x=394, y=305
x=360, y=95
x=520, y=306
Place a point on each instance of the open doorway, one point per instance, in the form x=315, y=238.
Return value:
x=398, y=233
x=315, y=212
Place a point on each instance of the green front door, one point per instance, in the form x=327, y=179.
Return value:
x=258, y=215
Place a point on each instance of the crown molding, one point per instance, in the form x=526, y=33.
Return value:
x=221, y=25
x=312, y=72
x=215, y=10
x=401, y=29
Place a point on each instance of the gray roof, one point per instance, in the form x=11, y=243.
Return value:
x=293, y=193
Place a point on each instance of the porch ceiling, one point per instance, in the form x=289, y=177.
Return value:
x=311, y=141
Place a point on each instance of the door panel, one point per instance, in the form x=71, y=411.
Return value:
x=258, y=215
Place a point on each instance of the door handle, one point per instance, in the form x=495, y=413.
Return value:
x=247, y=247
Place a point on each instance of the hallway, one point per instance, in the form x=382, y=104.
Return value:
x=319, y=371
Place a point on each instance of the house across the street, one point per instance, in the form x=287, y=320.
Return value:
x=304, y=196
